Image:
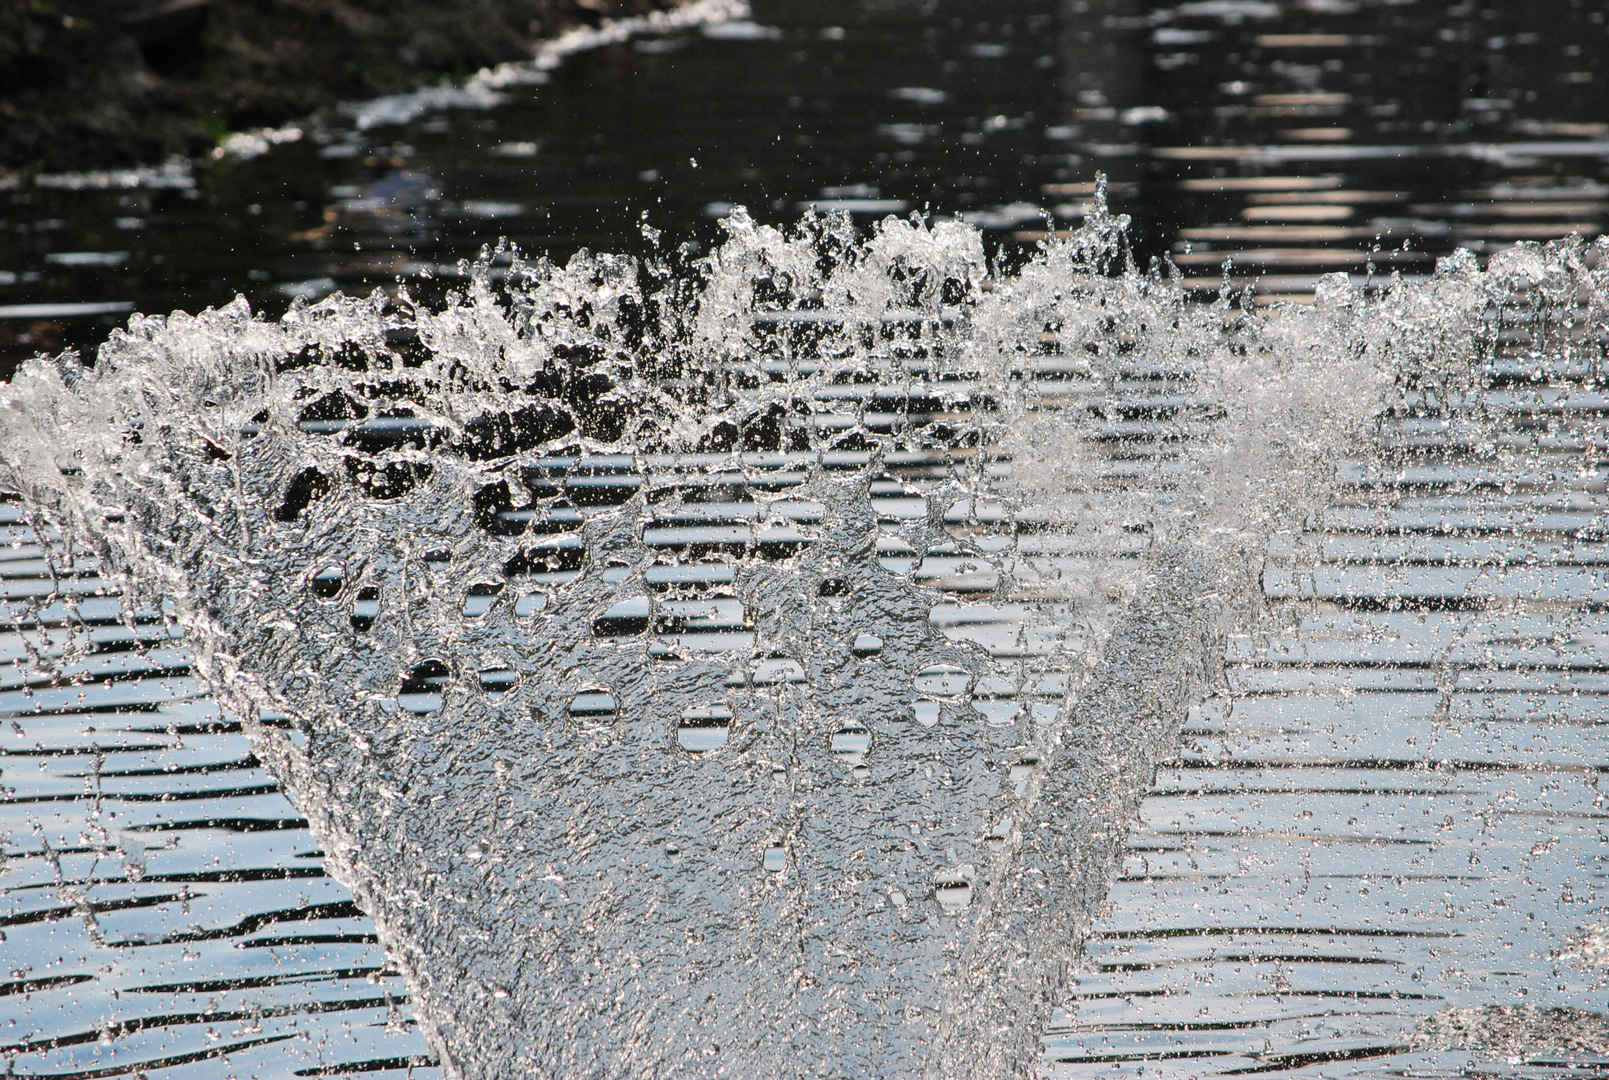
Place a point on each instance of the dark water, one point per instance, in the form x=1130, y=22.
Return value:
x=1294, y=137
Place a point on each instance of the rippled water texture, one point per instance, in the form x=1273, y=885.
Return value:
x=1289, y=136
x=754, y=654
x=568, y=623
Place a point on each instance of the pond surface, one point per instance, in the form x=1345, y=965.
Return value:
x=1427, y=691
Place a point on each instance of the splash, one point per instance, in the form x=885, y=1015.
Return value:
x=1515, y=1032
x=744, y=669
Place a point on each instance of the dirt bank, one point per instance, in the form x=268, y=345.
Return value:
x=107, y=82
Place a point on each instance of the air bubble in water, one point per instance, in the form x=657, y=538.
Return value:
x=997, y=712
x=625, y=619
x=999, y=835
x=497, y=680
x=995, y=700
x=704, y=728
x=326, y=584
x=867, y=645
x=480, y=598
x=833, y=587
x=953, y=889
x=851, y=743
x=943, y=681
x=424, y=687
x=927, y=711
x=775, y=671
x=366, y=609
x=1022, y=772
x=775, y=860
x=597, y=704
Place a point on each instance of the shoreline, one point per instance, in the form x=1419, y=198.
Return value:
x=96, y=84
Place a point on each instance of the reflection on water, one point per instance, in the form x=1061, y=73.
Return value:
x=1290, y=138
x=1380, y=851
x=736, y=639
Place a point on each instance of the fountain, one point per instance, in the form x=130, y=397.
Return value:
x=739, y=668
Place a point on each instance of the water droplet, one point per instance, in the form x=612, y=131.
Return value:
x=326, y=584
x=953, y=888
x=594, y=704
x=943, y=681
x=851, y=743
x=898, y=897
x=705, y=728
x=775, y=860
x=926, y=710
x=867, y=645
x=424, y=687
